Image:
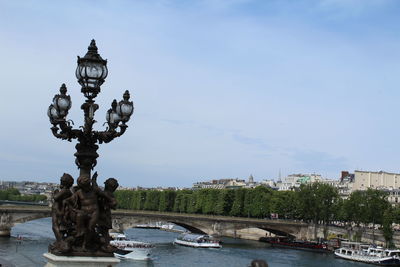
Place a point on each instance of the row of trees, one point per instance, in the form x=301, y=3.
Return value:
x=14, y=195
x=316, y=203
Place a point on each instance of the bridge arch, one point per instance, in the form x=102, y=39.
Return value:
x=197, y=223
x=10, y=218
x=211, y=227
x=189, y=227
x=30, y=218
x=124, y=223
x=277, y=232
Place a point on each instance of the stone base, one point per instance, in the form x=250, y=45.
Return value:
x=72, y=261
x=5, y=233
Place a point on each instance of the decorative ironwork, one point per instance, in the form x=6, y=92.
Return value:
x=91, y=73
x=81, y=215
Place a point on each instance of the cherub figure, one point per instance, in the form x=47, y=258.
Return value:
x=85, y=209
x=107, y=202
x=59, y=224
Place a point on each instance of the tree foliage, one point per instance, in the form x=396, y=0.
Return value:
x=317, y=202
x=14, y=195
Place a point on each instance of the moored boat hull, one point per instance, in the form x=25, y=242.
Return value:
x=299, y=245
x=196, y=245
x=387, y=261
x=130, y=249
x=136, y=254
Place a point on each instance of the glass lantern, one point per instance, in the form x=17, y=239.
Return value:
x=125, y=107
x=112, y=116
x=91, y=71
x=53, y=113
x=62, y=102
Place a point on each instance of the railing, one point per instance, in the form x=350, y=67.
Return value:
x=23, y=203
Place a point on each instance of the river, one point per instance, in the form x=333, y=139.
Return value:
x=37, y=235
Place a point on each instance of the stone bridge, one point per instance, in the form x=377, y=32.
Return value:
x=210, y=224
x=12, y=215
x=237, y=227
x=196, y=223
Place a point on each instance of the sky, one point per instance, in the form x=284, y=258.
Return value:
x=222, y=89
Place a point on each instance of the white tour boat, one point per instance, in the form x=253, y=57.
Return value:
x=149, y=225
x=167, y=226
x=197, y=241
x=129, y=249
x=368, y=254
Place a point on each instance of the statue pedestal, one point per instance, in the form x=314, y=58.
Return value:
x=5, y=232
x=72, y=261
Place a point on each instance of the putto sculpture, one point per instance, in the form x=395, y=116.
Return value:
x=81, y=214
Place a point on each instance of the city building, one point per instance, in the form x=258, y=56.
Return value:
x=345, y=184
x=293, y=181
x=375, y=180
x=393, y=196
x=30, y=188
x=220, y=184
x=268, y=183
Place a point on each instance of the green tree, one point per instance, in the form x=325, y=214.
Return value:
x=210, y=201
x=327, y=197
x=201, y=198
x=138, y=200
x=376, y=204
x=247, y=202
x=178, y=200
x=192, y=203
x=181, y=201
x=285, y=204
x=224, y=202
x=162, y=206
x=238, y=202
x=308, y=206
x=123, y=198
x=387, y=229
x=355, y=209
x=260, y=202
x=152, y=200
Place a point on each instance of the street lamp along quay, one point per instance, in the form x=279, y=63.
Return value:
x=91, y=73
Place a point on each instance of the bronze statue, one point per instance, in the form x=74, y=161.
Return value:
x=107, y=202
x=82, y=217
x=59, y=223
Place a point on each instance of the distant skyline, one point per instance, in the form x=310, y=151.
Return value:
x=222, y=89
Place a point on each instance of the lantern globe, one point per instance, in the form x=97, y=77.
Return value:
x=125, y=107
x=52, y=113
x=62, y=102
x=91, y=71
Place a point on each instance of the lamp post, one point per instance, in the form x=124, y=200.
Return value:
x=91, y=73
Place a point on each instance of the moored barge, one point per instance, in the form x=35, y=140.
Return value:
x=285, y=242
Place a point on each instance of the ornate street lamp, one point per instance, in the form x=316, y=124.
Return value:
x=91, y=73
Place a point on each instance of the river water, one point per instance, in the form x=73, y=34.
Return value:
x=37, y=235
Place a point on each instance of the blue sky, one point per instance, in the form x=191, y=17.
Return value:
x=221, y=88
